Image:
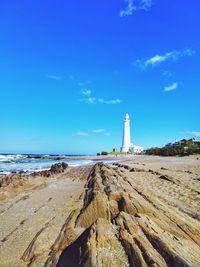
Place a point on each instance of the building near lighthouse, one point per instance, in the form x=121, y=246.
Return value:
x=127, y=146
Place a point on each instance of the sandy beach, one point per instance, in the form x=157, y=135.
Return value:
x=41, y=218
x=36, y=210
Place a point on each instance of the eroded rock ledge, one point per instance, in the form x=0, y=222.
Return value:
x=55, y=169
x=119, y=225
x=20, y=178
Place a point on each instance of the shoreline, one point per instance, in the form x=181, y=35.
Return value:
x=87, y=161
x=25, y=165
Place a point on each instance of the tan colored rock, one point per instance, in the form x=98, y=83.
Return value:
x=97, y=208
x=97, y=246
x=121, y=225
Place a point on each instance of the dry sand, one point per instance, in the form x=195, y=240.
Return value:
x=184, y=189
x=37, y=210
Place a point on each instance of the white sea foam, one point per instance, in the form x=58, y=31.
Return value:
x=5, y=158
x=77, y=163
x=16, y=163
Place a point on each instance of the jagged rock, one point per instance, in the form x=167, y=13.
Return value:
x=98, y=245
x=59, y=167
x=12, y=179
x=18, y=179
x=119, y=225
x=55, y=169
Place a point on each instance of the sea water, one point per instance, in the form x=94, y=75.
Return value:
x=17, y=163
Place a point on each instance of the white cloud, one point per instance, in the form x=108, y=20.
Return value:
x=86, y=92
x=197, y=134
x=88, y=100
x=135, y=5
x=98, y=130
x=108, y=102
x=93, y=100
x=167, y=73
x=80, y=133
x=92, y=132
x=171, y=87
x=88, y=82
x=159, y=59
x=53, y=77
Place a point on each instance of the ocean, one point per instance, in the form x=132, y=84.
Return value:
x=13, y=163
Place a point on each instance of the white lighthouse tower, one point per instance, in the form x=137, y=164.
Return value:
x=126, y=141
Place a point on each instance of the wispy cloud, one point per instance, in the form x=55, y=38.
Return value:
x=157, y=60
x=53, y=77
x=171, y=87
x=99, y=130
x=85, y=83
x=93, y=100
x=92, y=132
x=194, y=133
x=167, y=73
x=109, y=102
x=135, y=5
x=89, y=99
x=86, y=92
x=80, y=133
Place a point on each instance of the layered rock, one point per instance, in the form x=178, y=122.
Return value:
x=55, y=169
x=14, y=179
x=121, y=225
x=18, y=179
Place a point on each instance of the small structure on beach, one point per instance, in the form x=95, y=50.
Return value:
x=127, y=146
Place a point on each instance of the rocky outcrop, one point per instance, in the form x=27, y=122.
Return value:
x=19, y=179
x=121, y=225
x=59, y=167
x=55, y=169
x=14, y=179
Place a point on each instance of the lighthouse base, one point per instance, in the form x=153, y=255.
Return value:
x=132, y=149
x=126, y=149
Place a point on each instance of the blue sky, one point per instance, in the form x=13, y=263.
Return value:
x=71, y=69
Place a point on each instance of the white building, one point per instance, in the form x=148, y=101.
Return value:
x=127, y=146
x=136, y=149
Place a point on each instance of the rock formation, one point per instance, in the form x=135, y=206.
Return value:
x=14, y=179
x=19, y=179
x=120, y=224
x=55, y=169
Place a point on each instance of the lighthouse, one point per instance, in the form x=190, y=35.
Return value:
x=126, y=140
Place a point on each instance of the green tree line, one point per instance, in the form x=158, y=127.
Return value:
x=185, y=148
